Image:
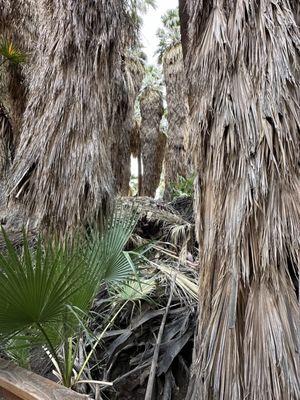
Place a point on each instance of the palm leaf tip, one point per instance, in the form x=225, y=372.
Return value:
x=11, y=53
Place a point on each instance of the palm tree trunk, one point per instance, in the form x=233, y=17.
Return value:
x=244, y=98
x=18, y=24
x=62, y=171
x=184, y=25
x=176, y=161
x=6, y=143
x=153, y=141
x=130, y=84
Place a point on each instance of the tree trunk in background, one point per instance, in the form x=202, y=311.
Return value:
x=131, y=81
x=136, y=151
x=184, y=26
x=6, y=144
x=153, y=141
x=62, y=171
x=176, y=160
x=246, y=141
x=17, y=25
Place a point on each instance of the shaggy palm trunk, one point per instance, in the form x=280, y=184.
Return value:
x=153, y=141
x=128, y=89
x=6, y=145
x=135, y=148
x=245, y=111
x=176, y=162
x=184, y=28
x=18, y=25
x=62, y=171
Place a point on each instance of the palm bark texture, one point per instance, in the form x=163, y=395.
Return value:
x=243, y=69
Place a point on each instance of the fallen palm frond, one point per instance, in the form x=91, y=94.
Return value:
x=48, y=290
x=244, y=100
x=62, y=171
x=169, y=223
x=124, y=347
x=127, y=349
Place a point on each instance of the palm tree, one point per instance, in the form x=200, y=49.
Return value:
x=62, y=171
x=127, y=89
x=184, y=20
x=12, y=57
x=170, y=51
x=153, y=140
x=131, y=82
x=244, y=102
x=18, y=25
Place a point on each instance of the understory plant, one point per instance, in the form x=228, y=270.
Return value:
x=184, y=187
x=47, y=292
x=10, y=54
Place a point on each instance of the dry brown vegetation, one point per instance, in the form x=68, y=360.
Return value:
x=6, y=143
x=176, y=155
x=62, y=168
x=125, y=122
x=244, y=96
x=153, y=141
x=67, y=132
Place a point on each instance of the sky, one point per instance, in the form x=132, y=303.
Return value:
x=151, y=23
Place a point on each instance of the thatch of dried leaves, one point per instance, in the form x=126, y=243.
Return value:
x=176, y=157
x=6, y=142
x=244, y=91
x=18, y=24
x=130, y=84
x=153, y=141
x=62, y=170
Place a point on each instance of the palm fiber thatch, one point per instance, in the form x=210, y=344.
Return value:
x=18, y=25
x=184, y=20
x=244, y=97
x=153, y=141
x=176, y=159
x=62, y=170
x=130, y=84
x=135, y=138
x=6, y=145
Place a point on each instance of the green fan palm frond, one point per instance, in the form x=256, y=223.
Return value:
x=47, y=293
x=34, y=286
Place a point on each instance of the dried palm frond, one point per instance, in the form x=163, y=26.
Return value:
x=62, y=170
x=164, y=223
x=244, y=101
x=176, y=157
x=153, y=141
x=128, y=347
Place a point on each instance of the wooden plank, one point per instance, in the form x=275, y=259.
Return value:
x=5, y=395
x=25, y=385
